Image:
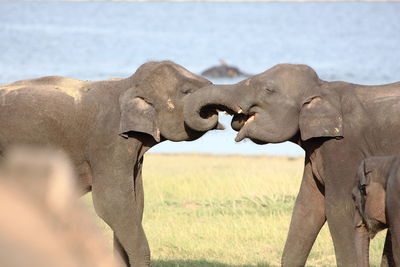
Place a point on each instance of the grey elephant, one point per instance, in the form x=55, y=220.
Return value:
x=377, y=200
x=105, y=127
x=337, y=124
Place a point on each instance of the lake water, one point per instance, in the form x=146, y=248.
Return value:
x=355, y=42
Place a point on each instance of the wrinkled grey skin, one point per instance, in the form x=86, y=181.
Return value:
x=377, y=200
x=337, y=124
x=105, y=127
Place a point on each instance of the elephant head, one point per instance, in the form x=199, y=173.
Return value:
x=154, y=104
x=370, y=193
x=369, y=196
x=271, y=107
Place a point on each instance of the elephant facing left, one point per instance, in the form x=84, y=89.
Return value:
x=105, y=127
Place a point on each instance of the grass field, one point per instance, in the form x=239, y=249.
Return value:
x=204, y=210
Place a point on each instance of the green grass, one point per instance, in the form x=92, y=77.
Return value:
x=203, y=210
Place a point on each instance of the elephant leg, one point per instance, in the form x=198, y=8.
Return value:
x=393, y=215
x=119, y=251
x=339, y=213
x=116, y=205
x=395, y=237
x=307, y=219
x=115, y=200
x=387, y=255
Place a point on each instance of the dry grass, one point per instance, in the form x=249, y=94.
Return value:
x=204, y=210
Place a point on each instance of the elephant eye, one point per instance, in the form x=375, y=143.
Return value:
x=187, y=91
x=269, y=89
x=363, y=190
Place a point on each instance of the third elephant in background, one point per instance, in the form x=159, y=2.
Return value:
x=337, y=123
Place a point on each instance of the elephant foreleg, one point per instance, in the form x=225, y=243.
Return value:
x=119, y=251
x=116, y=205
x=340, y=216
x=118, y=200
x=307, y=219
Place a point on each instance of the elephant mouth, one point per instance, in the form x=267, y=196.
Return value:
x=241, y=122
x=211, y=111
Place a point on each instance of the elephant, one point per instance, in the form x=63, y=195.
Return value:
x=42, y=221
x=105, y=127
x=337, y=123
x=377, y=201
x=223, y=71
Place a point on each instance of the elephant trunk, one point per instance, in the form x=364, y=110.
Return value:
x=201, y=107
x=362, y=246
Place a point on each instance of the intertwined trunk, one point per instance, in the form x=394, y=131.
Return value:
x=200, y=108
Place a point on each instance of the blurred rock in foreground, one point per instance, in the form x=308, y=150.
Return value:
x=42, y=222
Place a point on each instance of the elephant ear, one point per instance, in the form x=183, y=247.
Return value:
x=321, y=117
x=138, y=115
x=363, y=172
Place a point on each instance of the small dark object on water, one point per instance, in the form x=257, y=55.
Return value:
x=223, y=71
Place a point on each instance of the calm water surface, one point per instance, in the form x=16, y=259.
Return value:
x=355, y=42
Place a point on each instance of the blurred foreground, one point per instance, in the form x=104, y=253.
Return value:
x=204, y=210
x=42, y=223
x=200, y=210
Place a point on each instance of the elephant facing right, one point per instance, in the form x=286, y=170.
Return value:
x=377, y=199
x=338, y=124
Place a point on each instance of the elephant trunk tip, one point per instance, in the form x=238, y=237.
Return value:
x=362, y=242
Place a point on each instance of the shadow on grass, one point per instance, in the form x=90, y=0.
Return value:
x=198, y=263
